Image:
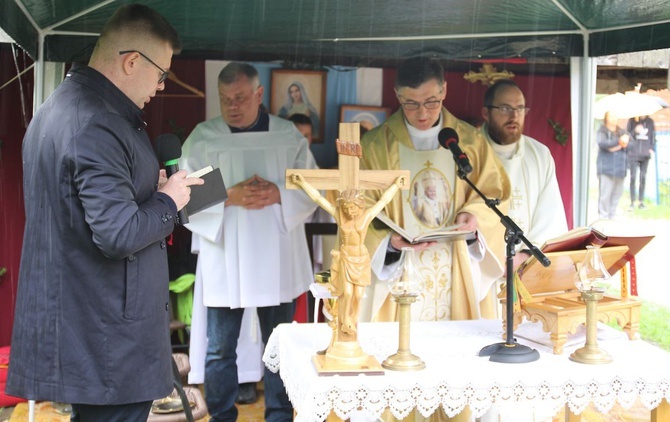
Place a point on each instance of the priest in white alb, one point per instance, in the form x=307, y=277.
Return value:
x=535, y=204
x=252, y=249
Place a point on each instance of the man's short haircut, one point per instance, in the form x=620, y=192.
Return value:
x=233, y=70
x=416, y=71
x=142, y=22
x=491, y=91
x=300, y=119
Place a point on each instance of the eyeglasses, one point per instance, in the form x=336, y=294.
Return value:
x=511, y=110
x=164, y=74
x=413, y=105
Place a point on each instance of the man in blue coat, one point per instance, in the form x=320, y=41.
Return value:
x=92, y=320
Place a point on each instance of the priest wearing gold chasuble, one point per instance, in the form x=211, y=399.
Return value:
x=459, y=275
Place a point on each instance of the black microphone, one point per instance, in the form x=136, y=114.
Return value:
x=168, y=149
x=448, y=138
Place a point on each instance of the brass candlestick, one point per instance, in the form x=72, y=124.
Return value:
x=591, y=353
x=591, y=279
x=405, y=287
x=404, y=359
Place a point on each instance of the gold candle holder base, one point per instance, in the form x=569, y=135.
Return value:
x=404, y=360
x=591, y=353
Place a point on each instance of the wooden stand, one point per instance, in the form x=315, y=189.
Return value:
x=557, y=304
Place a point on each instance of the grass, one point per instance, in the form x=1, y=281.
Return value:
x=652, y=212
x=655, y=324
x=654, y=318
x=654, y=321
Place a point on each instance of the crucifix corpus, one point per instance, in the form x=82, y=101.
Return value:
x=350, y=268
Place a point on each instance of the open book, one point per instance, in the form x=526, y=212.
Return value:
x=211, y=193
x=443, y=233
x=568, y=249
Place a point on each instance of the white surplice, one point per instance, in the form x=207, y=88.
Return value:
x=535, y=203
x=248, y=258
x=536, y=207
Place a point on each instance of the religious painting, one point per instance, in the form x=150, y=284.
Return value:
x=368, y=117
x=430, y=198
x=300, y=92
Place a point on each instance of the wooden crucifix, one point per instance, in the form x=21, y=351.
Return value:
x=350, y=268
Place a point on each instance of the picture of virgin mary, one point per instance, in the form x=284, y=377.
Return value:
x=297, y=102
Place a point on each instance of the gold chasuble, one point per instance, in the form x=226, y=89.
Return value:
x=436, y=196
x=428, y=205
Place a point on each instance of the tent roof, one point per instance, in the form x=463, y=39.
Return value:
x=357, y=31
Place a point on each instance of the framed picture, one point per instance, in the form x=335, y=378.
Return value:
x=300, y=91
x=367, y=116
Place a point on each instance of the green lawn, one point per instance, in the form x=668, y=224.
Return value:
x=655, y=324
x=654, y=318
x=652, y=212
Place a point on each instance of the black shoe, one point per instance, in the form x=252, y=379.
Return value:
x=642, y=206
x=247, y=393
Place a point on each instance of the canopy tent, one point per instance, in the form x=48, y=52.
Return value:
x=369, y=33
x=361, y=31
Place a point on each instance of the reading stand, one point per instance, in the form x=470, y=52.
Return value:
x=553, y=299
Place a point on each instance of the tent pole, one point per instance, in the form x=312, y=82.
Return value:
x=582, y=148
x=38, y=93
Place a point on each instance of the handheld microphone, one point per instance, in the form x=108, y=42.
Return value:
x=448, y=139
x=168, y=149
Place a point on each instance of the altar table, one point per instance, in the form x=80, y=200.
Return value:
x=455, y=376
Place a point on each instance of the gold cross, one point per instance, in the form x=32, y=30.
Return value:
x=487, y=75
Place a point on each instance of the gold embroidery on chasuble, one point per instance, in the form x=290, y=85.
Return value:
x=518, y=208
x=429, y=205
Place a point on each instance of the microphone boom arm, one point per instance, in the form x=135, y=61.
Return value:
x=509, y=351
x=512, y=228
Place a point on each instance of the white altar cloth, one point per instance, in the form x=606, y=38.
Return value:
x=455, y=376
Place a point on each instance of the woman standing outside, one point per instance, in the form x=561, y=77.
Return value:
x=611, y=164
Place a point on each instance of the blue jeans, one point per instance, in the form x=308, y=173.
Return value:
x=634, y=165
x=221, y=385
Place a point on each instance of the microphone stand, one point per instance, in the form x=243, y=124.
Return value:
x=509, y=351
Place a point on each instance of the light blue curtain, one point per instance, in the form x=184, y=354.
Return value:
x=340, y=90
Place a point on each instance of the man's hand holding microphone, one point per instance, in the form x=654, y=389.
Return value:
x=172, y=181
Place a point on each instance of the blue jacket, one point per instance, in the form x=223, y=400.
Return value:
x=92, y=319
x=610, y=163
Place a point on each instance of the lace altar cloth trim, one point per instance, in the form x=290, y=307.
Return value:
x=455, y=376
